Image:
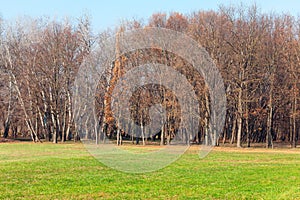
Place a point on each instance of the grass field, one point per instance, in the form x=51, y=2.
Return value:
x=68, y=171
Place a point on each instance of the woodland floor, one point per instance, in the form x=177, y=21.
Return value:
x=68, y=171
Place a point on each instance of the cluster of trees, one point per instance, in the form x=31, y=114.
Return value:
x=39, y=59
x=257, y=54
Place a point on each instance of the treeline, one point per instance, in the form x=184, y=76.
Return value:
x=258, y=56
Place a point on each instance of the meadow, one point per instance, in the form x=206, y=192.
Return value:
x=68, y=171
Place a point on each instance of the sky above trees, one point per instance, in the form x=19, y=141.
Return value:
x=106, y=14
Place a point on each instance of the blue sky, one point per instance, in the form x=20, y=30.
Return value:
x=108, y=13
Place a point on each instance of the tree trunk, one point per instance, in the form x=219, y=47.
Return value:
x=294, y=130
x=6, y=128
x=64, y=122
x=7, y=120
x=239, y=119
x=233, y=132
x=269, y=139
x=162, y=136
x=208, y=138
x=247, y=126
x=54, y=124
x=69, y=124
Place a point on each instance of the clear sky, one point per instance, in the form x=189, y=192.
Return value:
x=107, y=13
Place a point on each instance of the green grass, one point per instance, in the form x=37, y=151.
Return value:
x=67, y=171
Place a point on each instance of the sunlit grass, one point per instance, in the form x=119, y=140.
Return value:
x=68, y=171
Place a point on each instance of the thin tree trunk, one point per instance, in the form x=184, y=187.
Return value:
x=247, y=125
x=142, y=129
x=162, y=136
x=42, y=122
x=96, y=129
x=233, y=132
x=64, y=121
x=69, y=124
x=225, y=132
x=54, y=124
x=269, y=139
x=294, y=131
x=7, y=120
x=239, y=119
x=208, y=138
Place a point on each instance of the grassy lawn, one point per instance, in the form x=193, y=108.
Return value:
x=68, y=171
